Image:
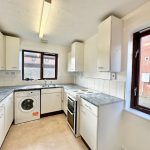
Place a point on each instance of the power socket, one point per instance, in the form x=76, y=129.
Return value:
x=113, y=76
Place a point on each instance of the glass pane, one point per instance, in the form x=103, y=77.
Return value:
x=144, y=86
x=32, y=65
x=49, y=66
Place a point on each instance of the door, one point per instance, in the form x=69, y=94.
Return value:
x=50, y=102
x=88, y=127
x=2, y=134
x=12, y=49
x=8, y=112
x=2, y=52
x=65, y=102
x=104, y=43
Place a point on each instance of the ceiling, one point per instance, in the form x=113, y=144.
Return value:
x=68, y=20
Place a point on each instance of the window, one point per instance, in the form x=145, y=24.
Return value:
x=39, y=65
x=140, y=91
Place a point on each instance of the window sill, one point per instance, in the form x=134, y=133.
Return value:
x=138, y=113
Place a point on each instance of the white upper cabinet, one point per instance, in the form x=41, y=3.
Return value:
x=109, y=45
x=76, y=57
x=2, y=52
x=12, y=53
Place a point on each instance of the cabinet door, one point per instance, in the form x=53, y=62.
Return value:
x=8, y=112
x=70, y=66
x=2, y=52
x=2, y=134
x=88, y=127
x=12, y=49
x=50, y=102
x=65, y=103
x=104, y=44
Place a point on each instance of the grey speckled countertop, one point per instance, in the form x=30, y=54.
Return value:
x=6, y=91
x=99, y=99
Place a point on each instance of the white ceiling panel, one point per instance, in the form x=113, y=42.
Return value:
x=68, y=20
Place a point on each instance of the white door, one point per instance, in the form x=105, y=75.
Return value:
x=65, y=103
x=50, y=102
x=12, y=49
x=2, y=52
x=104, y=43
x=8, y=112
x=2, y=134
x=88, y=127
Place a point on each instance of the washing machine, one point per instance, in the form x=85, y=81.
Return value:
x=27, y=106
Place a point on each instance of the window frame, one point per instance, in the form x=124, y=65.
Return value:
x=41, y=67
x=136, y=70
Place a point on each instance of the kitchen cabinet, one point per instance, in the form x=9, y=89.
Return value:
x=8, y=112
x=2, y=127
x=6, y=116
x=109, y=45
x=65, y=102
x=101, y=125
x=50, y=100
x=12, y=49
x=89, y=123
x=2, y=52
x=76, y=57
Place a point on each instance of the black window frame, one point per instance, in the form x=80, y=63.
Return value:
x=41, y=68
x=136, y=70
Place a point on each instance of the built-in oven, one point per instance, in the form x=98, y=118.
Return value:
x=72, y=114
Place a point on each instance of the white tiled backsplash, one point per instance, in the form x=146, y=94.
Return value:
x=13, y=78
x=112, y=87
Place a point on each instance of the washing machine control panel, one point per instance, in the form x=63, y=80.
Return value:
x=26, y=93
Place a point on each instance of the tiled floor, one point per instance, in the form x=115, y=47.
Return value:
x=50, y=133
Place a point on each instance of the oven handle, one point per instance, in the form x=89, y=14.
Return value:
x=70, y=112
x=71, y=101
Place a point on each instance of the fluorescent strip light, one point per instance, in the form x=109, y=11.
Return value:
x=44, y=17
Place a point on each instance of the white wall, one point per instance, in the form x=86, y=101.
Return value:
x=135, y=130
x=9, y=78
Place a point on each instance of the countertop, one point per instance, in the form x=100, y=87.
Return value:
x=6, y=91
x=99, y=99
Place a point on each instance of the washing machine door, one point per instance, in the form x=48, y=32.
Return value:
x=27, y=104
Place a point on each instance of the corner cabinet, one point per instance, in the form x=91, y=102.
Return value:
x=109, y=45
x=2, y=52
x=12, y=49
x=8, y=112
x=76, y=57
x=6, y=116
x=2, y=123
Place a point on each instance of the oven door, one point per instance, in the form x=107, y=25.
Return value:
x=71, y=105
x=71, y=120
x=71, y=114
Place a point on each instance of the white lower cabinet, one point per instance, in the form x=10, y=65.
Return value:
x=8, y=112
x=6, y=116
x=2, y=125
x=65, y=102
x=50, y=100
x=88, y=123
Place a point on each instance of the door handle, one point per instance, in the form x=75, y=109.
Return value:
x=70, y=112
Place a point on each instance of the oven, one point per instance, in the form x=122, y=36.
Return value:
x=72, y=114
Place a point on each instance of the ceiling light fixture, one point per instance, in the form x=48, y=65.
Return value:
x=44, y=17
